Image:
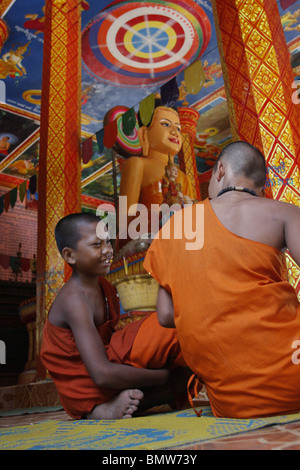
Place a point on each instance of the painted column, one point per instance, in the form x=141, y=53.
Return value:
x=4, y=33
x=59, y=162
x=4, y=4
x=187, y=160
x=258, y=80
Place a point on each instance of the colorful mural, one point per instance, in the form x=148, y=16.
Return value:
x=129, y=51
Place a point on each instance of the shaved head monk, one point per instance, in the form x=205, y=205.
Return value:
x=236, y=315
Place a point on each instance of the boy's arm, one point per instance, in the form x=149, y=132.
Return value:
x=92, y=351
x=165, y=308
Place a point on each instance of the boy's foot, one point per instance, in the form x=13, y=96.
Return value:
x=121, y=406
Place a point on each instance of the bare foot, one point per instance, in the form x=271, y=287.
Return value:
x=121, y=406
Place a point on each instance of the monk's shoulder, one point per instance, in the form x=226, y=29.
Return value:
x=280, y=207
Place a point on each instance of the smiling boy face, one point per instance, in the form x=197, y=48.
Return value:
x=93, y=253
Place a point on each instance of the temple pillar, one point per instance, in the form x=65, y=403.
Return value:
x=258, y=80
x=59, y=161
x=4, y=4
x=4, y=33
x=187, y=160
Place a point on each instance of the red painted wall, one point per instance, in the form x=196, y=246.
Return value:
x=17, y=225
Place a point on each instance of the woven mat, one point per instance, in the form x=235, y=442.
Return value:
x=160, y=431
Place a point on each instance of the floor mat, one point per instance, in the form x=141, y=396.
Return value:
x=155, y=432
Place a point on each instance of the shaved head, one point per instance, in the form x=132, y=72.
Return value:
x=245, y=160
x=68, y=231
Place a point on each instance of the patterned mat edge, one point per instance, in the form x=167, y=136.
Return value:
x=249, y=426
x=225, y=436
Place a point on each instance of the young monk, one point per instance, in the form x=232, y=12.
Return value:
x=236, y=315
x=101, y=373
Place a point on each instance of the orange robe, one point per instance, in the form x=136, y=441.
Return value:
x=153, y=193
x=236, y=315
x=143, y=343
x=150, y=195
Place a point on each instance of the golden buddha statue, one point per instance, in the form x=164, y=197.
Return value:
x=142, y=176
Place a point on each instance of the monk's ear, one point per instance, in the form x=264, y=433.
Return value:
x=220, y=171
x=68, y=255
x=144, y=141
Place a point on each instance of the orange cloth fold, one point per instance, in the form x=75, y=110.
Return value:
x=143, y=343
x=236, y=316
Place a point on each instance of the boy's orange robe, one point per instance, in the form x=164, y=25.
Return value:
x=236, y=315
x=143, y=343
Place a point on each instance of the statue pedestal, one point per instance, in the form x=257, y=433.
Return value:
x=132, y=265
x=137, y=292
x=29, y=395
x=136, y=289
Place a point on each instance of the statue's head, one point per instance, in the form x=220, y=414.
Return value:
x=163, y=133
